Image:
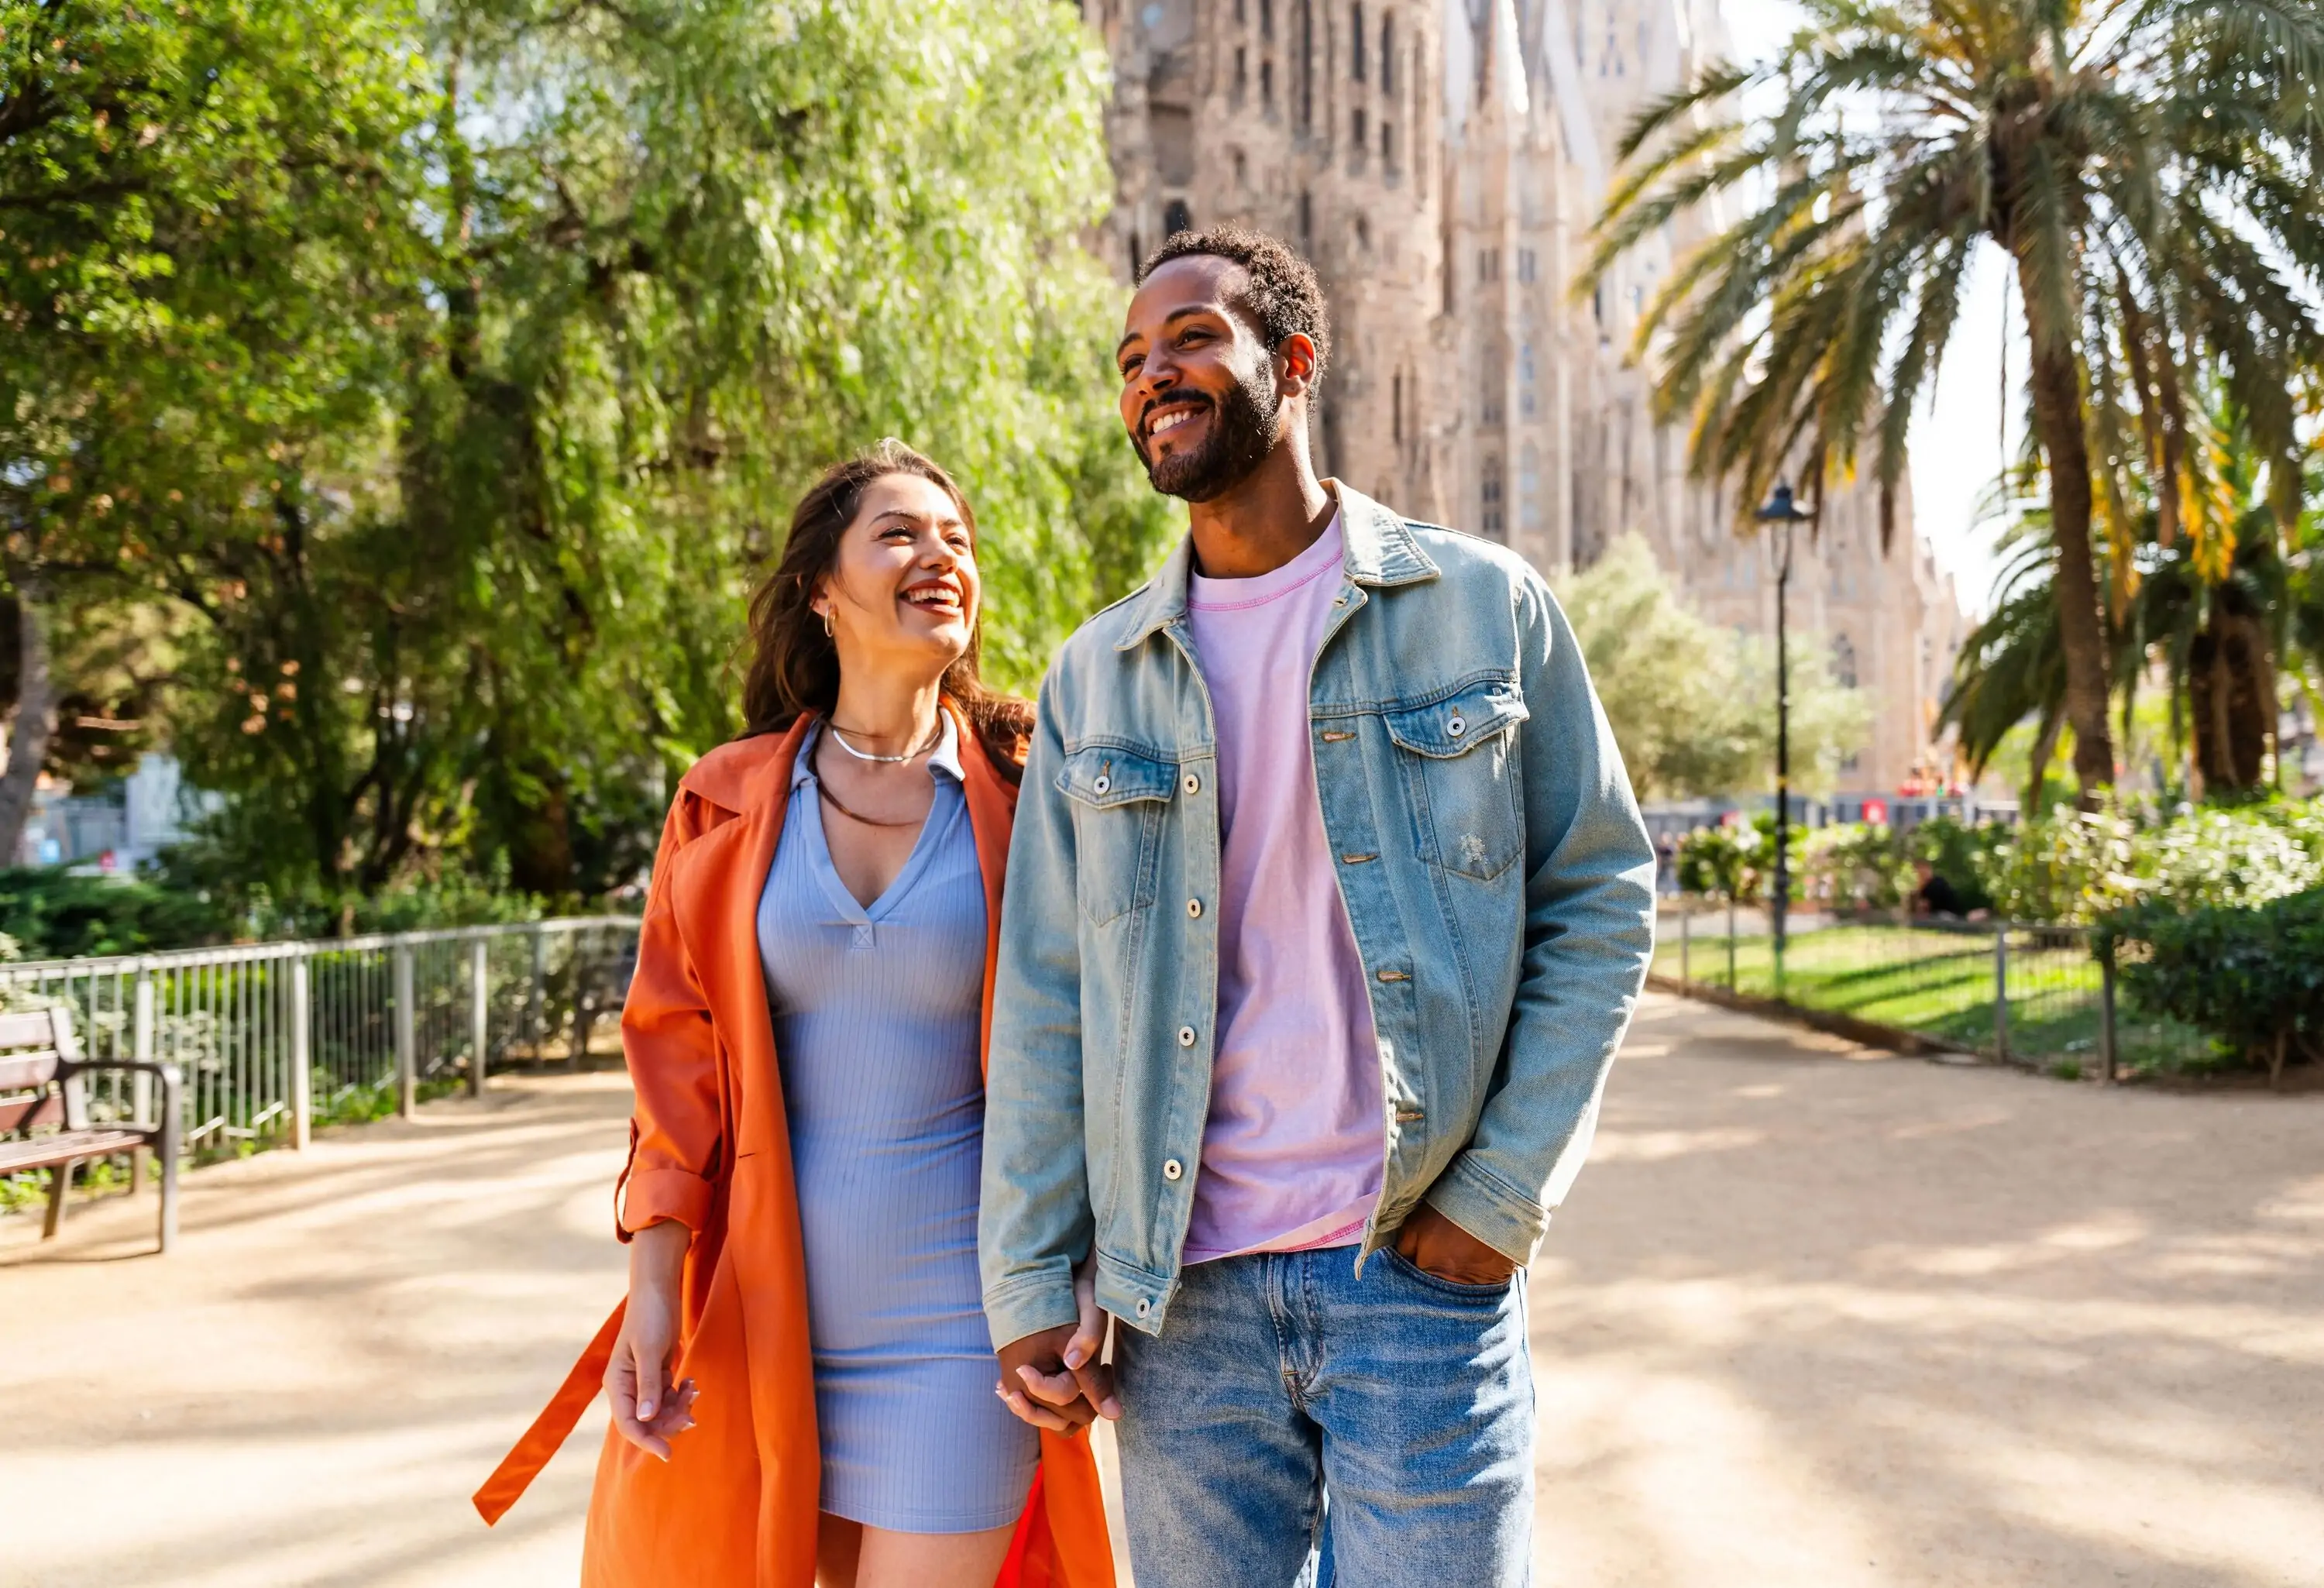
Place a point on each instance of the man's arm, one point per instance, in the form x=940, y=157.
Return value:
x=1035, y=1222
x=1589, y=934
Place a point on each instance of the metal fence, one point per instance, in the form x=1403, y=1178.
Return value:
x=277, y=1038
x=2019, y=992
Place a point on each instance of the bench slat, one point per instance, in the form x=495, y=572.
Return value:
x=30, y=1028
x=42, y=1151
x=20, y=1070
x=25, y=1114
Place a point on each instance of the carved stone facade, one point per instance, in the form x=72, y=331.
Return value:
x=1440, y=162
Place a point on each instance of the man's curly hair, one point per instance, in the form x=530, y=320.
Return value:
x=1284, y=295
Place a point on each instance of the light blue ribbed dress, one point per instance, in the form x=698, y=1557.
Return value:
x=876, y=1020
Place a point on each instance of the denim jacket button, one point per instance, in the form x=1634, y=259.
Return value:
x=1195, y=908
x=1193, y=784
x=1172, y=1169
x=1102, y=783
x=1186, y=1035
x=1143, y=1306
x=1456, y=727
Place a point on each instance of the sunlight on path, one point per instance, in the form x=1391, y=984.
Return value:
x=1805, y=1322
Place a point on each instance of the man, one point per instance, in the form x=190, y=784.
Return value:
x=1936, y=897
x=1326, y=911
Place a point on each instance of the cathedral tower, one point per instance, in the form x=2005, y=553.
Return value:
x=1318, y=120
x=1442, y=163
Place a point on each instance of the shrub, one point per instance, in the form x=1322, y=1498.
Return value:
x=2253, y=976
x=1854, y=865
x=54, y=914
x=2079, y=866
x=1969, y=857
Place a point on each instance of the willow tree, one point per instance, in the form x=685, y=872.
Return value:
x=2149, y=168
x=450, y=368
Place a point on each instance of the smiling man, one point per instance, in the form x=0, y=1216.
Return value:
x=1327, y=908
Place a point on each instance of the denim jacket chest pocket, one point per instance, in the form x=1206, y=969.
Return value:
x=1118, y=797
x=1459, y=761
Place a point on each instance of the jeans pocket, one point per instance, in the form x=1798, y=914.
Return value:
x=1449, y=1289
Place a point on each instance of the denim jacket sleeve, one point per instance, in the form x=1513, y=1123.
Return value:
x=1589, y=934
x=1034, y=1222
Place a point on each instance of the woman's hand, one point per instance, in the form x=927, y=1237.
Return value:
x=1075, y=1385
x=648, y=1408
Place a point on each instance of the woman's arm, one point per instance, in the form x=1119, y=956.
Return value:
x=675, y=1149
x=648, y=1408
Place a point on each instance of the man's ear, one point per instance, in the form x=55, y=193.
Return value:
x=1295, y=365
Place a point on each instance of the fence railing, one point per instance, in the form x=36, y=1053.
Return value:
x=276, y=1038
x=2027, y=993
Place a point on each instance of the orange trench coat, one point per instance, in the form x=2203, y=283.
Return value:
x=736, y=1503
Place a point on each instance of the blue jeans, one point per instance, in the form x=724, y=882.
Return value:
x=1281, y=1378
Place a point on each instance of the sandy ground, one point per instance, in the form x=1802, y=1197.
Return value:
x=1814, y=1316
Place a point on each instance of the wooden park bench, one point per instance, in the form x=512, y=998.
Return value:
x=41, y=1084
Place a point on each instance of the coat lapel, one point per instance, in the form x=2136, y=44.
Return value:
x=991, y=808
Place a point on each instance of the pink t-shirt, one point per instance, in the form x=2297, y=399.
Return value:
x=1293, y=1147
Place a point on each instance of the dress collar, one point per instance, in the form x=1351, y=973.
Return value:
x=944, y=758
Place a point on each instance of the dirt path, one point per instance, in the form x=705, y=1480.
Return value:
x=1813, y=1318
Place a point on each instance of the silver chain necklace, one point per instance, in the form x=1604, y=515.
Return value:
x=839, y=737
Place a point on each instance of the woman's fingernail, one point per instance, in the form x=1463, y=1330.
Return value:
x=1075, y=1355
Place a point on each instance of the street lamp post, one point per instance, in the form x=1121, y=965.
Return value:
x=1784, y=512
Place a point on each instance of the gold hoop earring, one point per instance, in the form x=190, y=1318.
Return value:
x=826, y=622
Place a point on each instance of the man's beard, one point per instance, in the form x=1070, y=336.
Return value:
x=1242, y=431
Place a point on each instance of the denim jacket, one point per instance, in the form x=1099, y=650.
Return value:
x=1495, y=870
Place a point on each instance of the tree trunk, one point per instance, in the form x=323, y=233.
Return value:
x=2037, y=772
x=2231, y=678
x=36, y=716
x=2082, y=627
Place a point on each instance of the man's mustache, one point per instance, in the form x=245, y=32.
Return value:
x=1168, y=399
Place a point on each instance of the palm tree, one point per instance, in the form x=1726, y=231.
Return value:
x=2149, y=168
x=2218, y=617
x=2223, y=613
x=2010, y=669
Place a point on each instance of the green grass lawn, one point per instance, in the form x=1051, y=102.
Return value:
x=1937, y=982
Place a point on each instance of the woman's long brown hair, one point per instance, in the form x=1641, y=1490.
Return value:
x=793, y=667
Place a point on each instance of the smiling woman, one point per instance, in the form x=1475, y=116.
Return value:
x=874, y=526
x=805, y=1033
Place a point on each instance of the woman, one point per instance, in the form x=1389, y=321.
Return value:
x=803, y=1390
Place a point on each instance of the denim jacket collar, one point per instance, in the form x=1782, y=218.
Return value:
x=1381, y=550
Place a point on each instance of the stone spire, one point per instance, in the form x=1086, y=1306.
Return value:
x=1504, y=89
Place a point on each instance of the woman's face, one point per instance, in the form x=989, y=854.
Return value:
x=903, y=590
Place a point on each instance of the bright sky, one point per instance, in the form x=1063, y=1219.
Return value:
x=1958, y=447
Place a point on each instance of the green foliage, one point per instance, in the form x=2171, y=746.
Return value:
x=1717, y=861
x=1738, y=863
x=1855, y=866
x=2251, y=975
x=452, y=371
x=1693, y=706
x=215, y=873
x=2081, y=866
x=200, y=896
x=53, y=914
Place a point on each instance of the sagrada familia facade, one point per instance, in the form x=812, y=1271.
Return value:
x=1440, y=162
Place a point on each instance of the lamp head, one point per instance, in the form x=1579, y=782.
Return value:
x=1781, y=509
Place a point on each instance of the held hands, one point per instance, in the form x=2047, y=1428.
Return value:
x=648, y=1408
x=1433, y=1244
x=1053, y=1379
